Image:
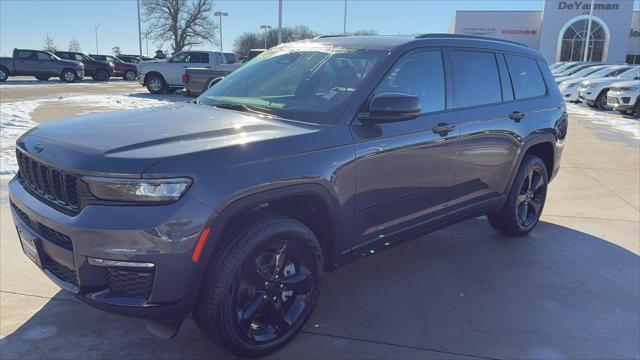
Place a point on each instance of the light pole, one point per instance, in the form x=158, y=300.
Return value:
x=96, y=28
x=586, y=44
x=139, y=29
x=220, y=14
x=344, y=29
x=279, y=22
x=265, y=28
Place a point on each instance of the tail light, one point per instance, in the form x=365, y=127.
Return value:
x=185, y=78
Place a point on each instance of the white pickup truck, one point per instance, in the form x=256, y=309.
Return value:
x=160, y=76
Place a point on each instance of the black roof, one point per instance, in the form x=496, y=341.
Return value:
x=382, y=42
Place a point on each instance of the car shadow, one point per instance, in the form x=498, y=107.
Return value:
x=557, y=293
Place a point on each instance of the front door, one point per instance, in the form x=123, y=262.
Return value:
x=404, y=170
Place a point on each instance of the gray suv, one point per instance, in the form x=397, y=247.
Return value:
x=309, y=156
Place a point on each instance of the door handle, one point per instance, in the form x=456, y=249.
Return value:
x=517, y=116
x=443, y=129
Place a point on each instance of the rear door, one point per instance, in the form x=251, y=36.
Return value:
x=25, y=62
x=404, y=170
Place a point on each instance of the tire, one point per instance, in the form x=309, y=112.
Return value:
x=4, y=74
x=601, y=100
x=101, y=75
x=228, y=291
x=69, y=76
x=129, y=75
x=42, y=77
x=636, y=109
x=525, y=202
x=155, y=84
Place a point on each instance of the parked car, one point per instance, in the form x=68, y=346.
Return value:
x=98, y=70
x=166, y=75
x=556, y=65
x=324, y=150
x=581, y=73
x=625, y=97
x=575, y=69
x=566, y=66
x=198, y=80
x=593, y=92
x=127, y=71
x=569, y=88
x=41, y=64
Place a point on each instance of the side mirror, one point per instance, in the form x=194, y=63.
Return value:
x=391, y=107
x=214, y=81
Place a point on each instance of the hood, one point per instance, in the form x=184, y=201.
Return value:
x=571, y=81
x=628, y=83
x=603, y=80
x=129, y=142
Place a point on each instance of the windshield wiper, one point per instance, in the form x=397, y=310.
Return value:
x=245, y=108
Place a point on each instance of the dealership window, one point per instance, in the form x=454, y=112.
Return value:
x=574, y=39
x=525, y=76
x=475, y=78
x=421, y=74
x=633, y=59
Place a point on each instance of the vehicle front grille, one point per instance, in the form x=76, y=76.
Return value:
x=48, y=182
x=130, y=283
x=22, y=214
x=60, y=271
x=55, y=237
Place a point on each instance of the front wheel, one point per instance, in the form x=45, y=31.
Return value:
x=130, y=75
x=102, y=75
x=601, y=100
x=155, y=84
x=68, y=76
x=525, y=201
x=4, y=74
x=258, y=294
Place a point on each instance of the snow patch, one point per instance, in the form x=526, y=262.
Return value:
x=610, y=119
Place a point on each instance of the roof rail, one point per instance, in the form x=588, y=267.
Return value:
x=459, y=36
x=329, y=36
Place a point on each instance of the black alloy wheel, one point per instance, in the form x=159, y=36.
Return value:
x=531, y=198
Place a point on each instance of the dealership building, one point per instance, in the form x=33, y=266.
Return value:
x=559, y=31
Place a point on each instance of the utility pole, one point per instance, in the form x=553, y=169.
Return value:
x=96, y=28
x=344, y=29
x=220, y=14
x=139, y=29
x=279, y=22
x=265, y=28
x=586, y=45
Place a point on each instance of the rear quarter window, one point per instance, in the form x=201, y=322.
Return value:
x=24, y=54
x=475, y=78
x=526, y=77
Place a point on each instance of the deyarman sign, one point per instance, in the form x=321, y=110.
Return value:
x=585, y=6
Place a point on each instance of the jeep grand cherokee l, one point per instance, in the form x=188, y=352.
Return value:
x=303, y=159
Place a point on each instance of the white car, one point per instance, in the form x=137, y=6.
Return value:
x=625, y=97
x=569, y=88
x=166, y=75
x=594, y=91
x=581, y=73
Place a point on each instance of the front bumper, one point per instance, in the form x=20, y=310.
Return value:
x=587, y=95
x=155, y=242
x=619, y=100
x=570, y=94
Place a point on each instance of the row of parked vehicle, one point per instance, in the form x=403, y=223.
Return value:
x=601, y=86
x=69, y=66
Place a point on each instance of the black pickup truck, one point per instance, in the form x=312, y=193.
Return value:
x=98, y=70
x=41, y=64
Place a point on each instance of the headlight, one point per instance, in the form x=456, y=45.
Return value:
x=628, y=88
x=137, y=190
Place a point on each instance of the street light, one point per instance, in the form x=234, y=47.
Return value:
x=344, y=28
x=220, y=14
x=96, y=28
x=265, y=28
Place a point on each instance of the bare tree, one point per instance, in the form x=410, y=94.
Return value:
x=74, y=45
x=251, y=40
x=182, y=23
x=49, y=44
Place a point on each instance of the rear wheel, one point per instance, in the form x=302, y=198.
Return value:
x=129, y=75
x=525, y=201
x=260, y=292
x=42, y=77
x=102, y=75
x=68, y=75
x=155, y=84
x=4, y=74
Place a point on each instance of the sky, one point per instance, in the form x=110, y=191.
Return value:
x=26, y=23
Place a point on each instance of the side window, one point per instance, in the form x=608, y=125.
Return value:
x=25, y=55
x=421, y=74
x=475, y=78
x=525, y=76
x=199, y=58
x=78, y=57
x=181, y=58
x=43, y=56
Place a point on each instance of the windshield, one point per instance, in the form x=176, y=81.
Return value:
x=632, y=73
x=607, y=71
x=305, y=84
x=587, y=71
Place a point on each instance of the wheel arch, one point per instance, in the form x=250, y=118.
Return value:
x=542, y=146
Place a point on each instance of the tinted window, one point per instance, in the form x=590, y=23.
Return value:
x=420, y=74
x=201, y=58
x=525, y=76
x=181, y=58
x=62, y=55
x=23, y=55
x=43, y=56
x=475, y=78
x=78, y=57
